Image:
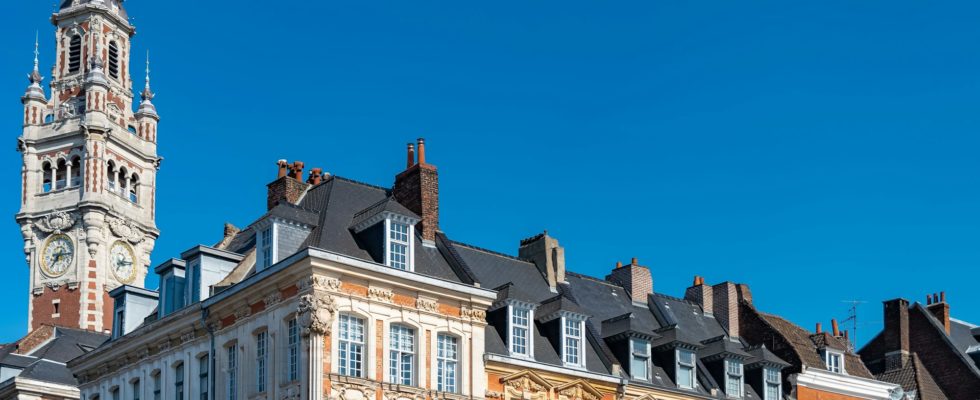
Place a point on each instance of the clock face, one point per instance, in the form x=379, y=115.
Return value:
x=121, y=262
x=57, y=255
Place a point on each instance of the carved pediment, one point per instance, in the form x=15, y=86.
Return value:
x=126, y=229
x=526, y=381
x=578, y=390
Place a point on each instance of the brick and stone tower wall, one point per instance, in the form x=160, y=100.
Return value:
x=89, y=170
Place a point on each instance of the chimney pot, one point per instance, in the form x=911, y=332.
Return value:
x=846, y=336
x=634, y=261
x=283, y=167
x=942, y=297
x=297, y=170
x=411, y=155
x=819, y=328
x=697, y=280
x=928, y=299
x=315, y=176
x=619, y=264
x=422, y=151
x=833, y=325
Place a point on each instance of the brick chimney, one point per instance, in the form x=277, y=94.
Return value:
x=701, y=294
x=545, y=252
x=726, y=306
x=939, y=309
x=417, y=188
x=634, y=278
x=896, y=333
x=288, y=186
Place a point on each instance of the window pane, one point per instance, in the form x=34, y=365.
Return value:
x=447, y=362
x=402, y=356
x=351, y=344
x=685, y=377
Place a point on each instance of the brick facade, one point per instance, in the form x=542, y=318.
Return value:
x=285, y=188
x=60, y=307
x=635, y=279
x=417, y=188
x=946, y=367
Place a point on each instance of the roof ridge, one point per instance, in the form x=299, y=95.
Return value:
x=491, y=252
x=592, y=278
x=368, y=208
x=354, y=181
x=675, y=298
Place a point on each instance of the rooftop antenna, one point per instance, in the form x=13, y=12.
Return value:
x=852, y=317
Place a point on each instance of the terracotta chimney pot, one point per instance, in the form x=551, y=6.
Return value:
x=411, y=156
x=834, y=327
x=819, y=328
x=421, y=151
x=283, y=167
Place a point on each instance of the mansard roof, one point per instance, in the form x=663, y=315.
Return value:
x=808, y=350
x=46, y=362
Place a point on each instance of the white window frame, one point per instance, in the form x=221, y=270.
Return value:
x=292, y=350
x=266, y=241
x=262, y=361
x=203, y=371
x=157, y=384
x=402, y=344
x=447, y=363
x=767, y=383
x=638, y=355
x=693, y=368
x=527, y=327
x=408, y=243
x=136, y=386
x=231, y=373
x=180, y=388
x=347, y=342
x=829, y=355
x=734, y=373
x=568, y=323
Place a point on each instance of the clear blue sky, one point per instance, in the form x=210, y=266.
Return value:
x=818, y=151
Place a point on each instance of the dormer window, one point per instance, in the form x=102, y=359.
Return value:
x=572, y=329
x=835, y=361
x=773, y=382
x=399, y=245
x=685, y=369
x=639, y=359
x=267, y=245
x=733, y=378
x=520, y=331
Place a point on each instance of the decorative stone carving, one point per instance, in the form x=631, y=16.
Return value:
x=126, y=229
x=316, y=313
x=291, y=392
x=56, y=223
x=243, y=313
x=187, y=337
x=352, y=392
x=473, y=314
x=404, y=395
x=380, y=294
x=319, y=283
x=272, y=299
x=426, y=304
x=578, y=390
x=492, y=394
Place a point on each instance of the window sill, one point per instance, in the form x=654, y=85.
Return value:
x=61, y=190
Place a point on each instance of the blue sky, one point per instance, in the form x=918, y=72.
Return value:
x=818, y=151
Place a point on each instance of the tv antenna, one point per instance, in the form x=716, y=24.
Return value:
x=852, y=318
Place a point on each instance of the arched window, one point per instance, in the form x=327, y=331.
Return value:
x=61, y=175
x=75, y=54
x=49, y=118
x=46, y=177
x=134, y=188
x=111, y=177
x=123, y=182
x=113, y=60
x=75, y=169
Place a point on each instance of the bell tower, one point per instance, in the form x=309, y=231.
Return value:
x=89, y=170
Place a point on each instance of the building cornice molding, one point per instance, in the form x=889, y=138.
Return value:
x=847, y=385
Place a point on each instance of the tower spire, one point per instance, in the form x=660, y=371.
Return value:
x=147, y=93
x=35, y=75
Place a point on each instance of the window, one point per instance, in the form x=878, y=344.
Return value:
x=76, y=172
x=265, y=246
x=179, y=382
x=292, y=337
x=639, y=359
x=156, y=386
x=232, y=373
x=46, y=177
x=120, y=322
x=520, y=325
x=685, y=369
x=204, y=364
x=447, y=358
x=136, y=389
x=733, y=378
x=134, y=189
x=402, y=355
x=834, y=362
x=114, y=393
x=261, y=360
x=351, y=345
x=572, y=329
x=398, y=245
x=61, y=175
x=74, y=54
x=772, y=383
x=113, y=60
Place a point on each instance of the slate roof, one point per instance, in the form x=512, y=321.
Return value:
x=808, y=350
x=762, y=356
x=389, y=204
x=46, y=363
x=913, y=377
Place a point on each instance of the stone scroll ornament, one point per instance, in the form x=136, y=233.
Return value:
x=126, y=230
x=316, y=313
x=56, y=223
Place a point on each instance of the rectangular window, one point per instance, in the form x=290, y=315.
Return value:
x=351, y=338
x=120, y=322
x=733, y=378
x=292, y=333
x=398, y=246
x=179, y=382
x=448, y=359
x=136, y=389
x=773, y=382
x=202, y=377
x=156, y=386
x=402, y=355
x=834, y=362
x=573, y=341
x=520, y=326
x=114, y=393
x=232, y=377
x=265, y=247
x=639, y=359
x=685, y=369
x=261, y=359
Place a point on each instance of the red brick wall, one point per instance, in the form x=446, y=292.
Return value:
x=947, y=369
x=69, y=308
x=285, y=189
x=417, y=189
x=804, y=393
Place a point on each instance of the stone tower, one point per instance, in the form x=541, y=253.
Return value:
x=89, y=172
